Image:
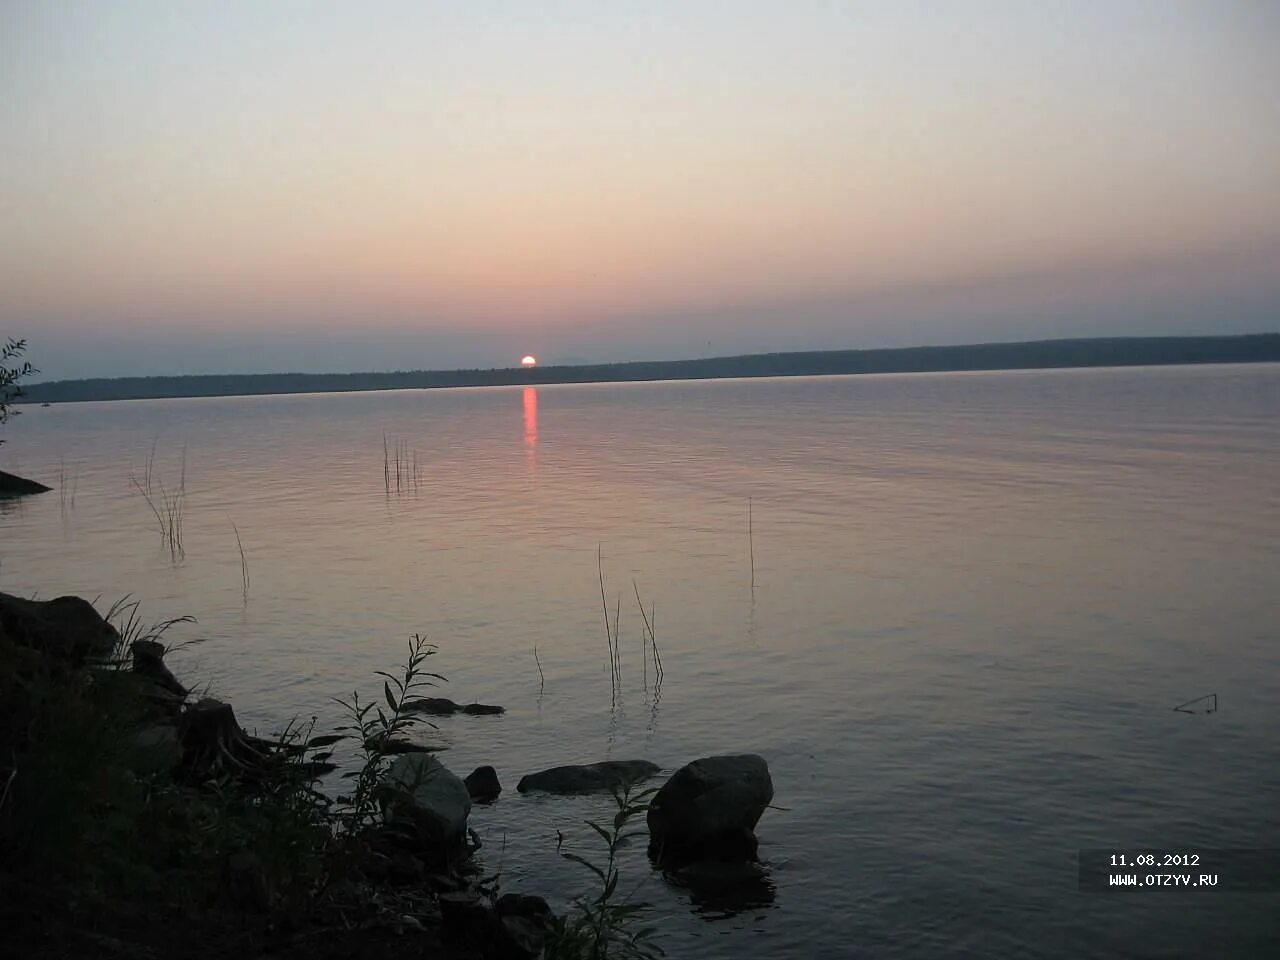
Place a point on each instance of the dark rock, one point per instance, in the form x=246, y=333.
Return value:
x=15, y=486
x=521, y=937
x=66, y=627
x=155, y=749
x=444, y=707
x=588, y=778
x=419, y=788
x=246, y=882
x=717, y=876
x=709, y=809
x=404, y=868
x=436, y=706
x=522, y=905
x=395, y=746
x=465, y=911
x=148, y=661
x=482, y=783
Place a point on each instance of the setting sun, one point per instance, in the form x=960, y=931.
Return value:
x=529, y=360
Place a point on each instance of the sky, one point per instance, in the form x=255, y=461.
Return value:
x=305, y=186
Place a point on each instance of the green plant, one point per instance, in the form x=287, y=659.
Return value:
x=9, y=376
x=374, y=728
x=604, y=925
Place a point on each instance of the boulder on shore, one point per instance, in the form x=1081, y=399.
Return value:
x=708, y=810
x=444, y=707
x=422, y=790
x=67, y=628
x=12, y=485
x=148, y=661
x=588, y=777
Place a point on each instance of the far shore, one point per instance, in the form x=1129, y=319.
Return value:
x=1031, y=355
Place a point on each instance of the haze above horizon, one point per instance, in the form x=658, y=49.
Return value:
x=214, y=188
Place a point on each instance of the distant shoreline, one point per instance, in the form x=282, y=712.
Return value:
x=1030, y=355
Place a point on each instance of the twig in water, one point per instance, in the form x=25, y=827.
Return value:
x=542, y=680
x=751, y=544
x=1211, y=697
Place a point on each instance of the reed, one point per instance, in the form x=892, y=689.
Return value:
x=751, y=544
x=604, y=605
x=400, y=466
x=168, y=506
x=650, y=620
x=244, y=564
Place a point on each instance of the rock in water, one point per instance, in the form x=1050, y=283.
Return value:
x=12, y=485
x=444, y=707
x=709, y=809
x=422, y=790
x=66, y=627
x=589, y=777
x=482, y=783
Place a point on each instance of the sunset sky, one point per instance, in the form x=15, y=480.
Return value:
x=248, y=187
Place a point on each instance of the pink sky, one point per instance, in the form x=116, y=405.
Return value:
x=244, y=187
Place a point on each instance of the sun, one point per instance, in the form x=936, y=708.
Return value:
x=528, y=360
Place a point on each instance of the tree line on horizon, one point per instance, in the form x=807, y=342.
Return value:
x=1092, y=352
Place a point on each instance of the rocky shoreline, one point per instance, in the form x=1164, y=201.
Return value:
x=231, y=835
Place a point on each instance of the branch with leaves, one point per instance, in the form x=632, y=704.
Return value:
x=9, y=376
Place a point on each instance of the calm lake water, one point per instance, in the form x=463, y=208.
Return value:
x=977, y=599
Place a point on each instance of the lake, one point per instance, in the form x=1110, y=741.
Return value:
x=977, y=599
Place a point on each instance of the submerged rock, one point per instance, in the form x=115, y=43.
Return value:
x=589, y=777
x=395, y=746
x=444, y=707
x=423, y=791
x=708, y=810
x=66, y=627
x=483, y=785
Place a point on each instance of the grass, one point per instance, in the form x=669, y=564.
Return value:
x=167, y=505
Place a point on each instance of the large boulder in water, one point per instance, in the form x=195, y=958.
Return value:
x=66, y=627
x=483, y=784
x=422, y=790
x=588, y=777
x=709, y=809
